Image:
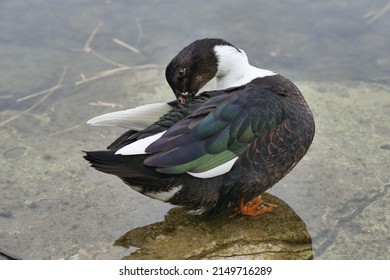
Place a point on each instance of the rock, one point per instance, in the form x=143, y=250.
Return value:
x=280, y=234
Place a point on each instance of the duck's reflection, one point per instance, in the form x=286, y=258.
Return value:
x=280, y=234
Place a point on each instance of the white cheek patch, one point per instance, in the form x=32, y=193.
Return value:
x=139, y=147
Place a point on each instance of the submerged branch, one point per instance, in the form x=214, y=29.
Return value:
x=65, y=130
x=105, y=104
x=38, y=93
x=106, y=59
x=50, y=92
x=87, y=46
x=114, y=71
x=126, y=45
x=374, y=15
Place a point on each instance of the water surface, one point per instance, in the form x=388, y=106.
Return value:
x=52, y=205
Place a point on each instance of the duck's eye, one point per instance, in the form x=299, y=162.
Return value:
x=182, y=72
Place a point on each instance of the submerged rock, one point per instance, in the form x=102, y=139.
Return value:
x=280, y=234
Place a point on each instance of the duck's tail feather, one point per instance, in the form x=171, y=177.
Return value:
x=123, y=166
x=130, y=169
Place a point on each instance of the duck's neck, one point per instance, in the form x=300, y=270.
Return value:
x=234, y=68
x=238, y=78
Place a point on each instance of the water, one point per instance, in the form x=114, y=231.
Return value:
x=52, y=205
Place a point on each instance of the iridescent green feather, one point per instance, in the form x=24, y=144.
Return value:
x=201, y=164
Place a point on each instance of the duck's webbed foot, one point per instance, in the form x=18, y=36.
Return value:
x=254, y=207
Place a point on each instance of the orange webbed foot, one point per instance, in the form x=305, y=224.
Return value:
x=254, y=207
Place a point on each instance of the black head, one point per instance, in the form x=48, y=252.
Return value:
x=193, y=67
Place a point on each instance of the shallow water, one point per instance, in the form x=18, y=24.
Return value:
x=52, y=205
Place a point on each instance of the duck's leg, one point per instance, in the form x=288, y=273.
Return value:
x=254, y=207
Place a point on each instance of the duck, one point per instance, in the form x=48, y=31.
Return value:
x=213, y=151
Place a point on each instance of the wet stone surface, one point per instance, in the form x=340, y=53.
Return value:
x=280, y=234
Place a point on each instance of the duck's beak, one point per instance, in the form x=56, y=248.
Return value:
x=183, y=97
x=181, y=100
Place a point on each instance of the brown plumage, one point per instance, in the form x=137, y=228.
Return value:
x=219, y=149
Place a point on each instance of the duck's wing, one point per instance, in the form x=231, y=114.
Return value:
x=164, y=115
x=137, y=118
x=208, y=142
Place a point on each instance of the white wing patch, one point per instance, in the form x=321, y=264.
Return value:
x=138, y=147
x=216, y=171
x=164, y=196
x=197, y=211
x=136, y=118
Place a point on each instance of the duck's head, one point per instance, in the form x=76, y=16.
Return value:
x=198, y=63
